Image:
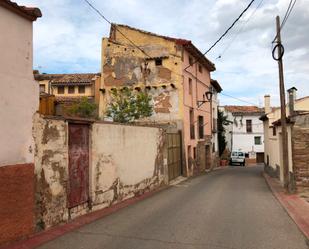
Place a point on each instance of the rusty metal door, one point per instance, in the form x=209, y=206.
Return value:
x=174, y=159
x=78, y=191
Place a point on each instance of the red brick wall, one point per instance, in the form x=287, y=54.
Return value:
x=16, y=201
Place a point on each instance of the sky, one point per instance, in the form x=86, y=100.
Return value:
x=67, y=39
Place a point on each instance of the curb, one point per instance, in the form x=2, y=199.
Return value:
x=40, y=238
x=296, y=208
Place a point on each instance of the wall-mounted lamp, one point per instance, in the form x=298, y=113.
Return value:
x=208, y=96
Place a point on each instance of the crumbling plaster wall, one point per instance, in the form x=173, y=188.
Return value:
x=126, y=161
x=51, y=171
x=123, y=65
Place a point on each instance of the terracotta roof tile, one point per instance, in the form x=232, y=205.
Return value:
x=31, y=13
x=68, y=79
x=243, y=109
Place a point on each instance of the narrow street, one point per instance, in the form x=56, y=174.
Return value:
x=230, y=208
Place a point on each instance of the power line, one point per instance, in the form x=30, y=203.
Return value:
x=241, y=100
x=286, y=16
x=224, y=34
x=243, y=26
x=101, y=15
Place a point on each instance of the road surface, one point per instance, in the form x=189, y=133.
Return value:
x=226, y=209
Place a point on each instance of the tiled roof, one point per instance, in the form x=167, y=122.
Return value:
x=68, y=79
x=243, y=109
x=30, y=13
x=185, y=43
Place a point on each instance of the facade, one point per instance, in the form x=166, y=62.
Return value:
x=216, y=89
x=245, y=133
x=69, y=88
x=18, y=102
x=175, y=73
x=297, y=129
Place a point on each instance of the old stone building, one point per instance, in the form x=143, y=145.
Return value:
x=175, y=74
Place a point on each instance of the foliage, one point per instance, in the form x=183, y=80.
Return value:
x=222, y=122
x=83, y=108
x=127, y=106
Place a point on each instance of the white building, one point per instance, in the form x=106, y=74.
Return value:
x=216, y=89
x=245, y=133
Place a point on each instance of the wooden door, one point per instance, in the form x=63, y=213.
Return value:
x=78, y=191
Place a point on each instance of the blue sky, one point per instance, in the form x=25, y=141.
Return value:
x=67, y=38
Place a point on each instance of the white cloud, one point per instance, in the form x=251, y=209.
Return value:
x=68, y=38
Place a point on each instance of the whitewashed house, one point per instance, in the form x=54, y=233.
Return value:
x=245, y=133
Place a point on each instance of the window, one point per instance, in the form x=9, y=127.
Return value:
x=249, y=125
x=274, y=131
x=81, y=89
x=194, y=152
x=189, y=154
x=200, y=127
x=190, y=60
x=257, y=140
x=190, y=86
x=158, y=62
x=192, y=132
x=71, y=89
x=60, y=90
x=42, y=88
x=200, y=68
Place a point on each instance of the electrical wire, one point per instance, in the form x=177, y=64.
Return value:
x=224, y=34
x=101, y=15
x=240, y=30
x=286, y=16
x=237, y=99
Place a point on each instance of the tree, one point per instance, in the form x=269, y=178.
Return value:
x=84, y=108
x=126, y=106
x=222, y=122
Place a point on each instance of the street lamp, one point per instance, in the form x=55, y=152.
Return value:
x=208, y=96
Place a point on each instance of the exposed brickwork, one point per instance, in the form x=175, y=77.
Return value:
x=16, y=201
x=300, y=149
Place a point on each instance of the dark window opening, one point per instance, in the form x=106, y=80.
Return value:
x=249, y=125
x=257, y=140
x=194, y=152
x=274, y=131
x=190, y=61
x=200, y=68
x=158, y=62
x=60, y=89
x=192, y=133
x=81, y=89
x=246, y=155
x=201, y=127
x=42, y=88
x=71, y=89
x=190, y=86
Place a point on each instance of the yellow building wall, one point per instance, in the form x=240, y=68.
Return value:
x=89, y=92
x=160, y=78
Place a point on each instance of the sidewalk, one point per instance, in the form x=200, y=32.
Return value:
x=295, y=206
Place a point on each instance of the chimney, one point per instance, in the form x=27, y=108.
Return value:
x=291, y=98
x=267, y=104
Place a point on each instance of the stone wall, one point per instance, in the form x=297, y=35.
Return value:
x=300, y=149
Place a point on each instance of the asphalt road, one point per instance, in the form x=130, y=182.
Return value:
x=229, y=209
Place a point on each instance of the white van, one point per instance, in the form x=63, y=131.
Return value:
x=238, y=157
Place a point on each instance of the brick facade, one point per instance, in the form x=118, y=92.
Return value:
x=16, y=201
x=300, y=148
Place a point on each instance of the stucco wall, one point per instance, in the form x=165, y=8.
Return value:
x=125, y=161
x=51, y=171
x=19, y=92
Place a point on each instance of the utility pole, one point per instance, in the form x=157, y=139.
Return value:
x=285, y=156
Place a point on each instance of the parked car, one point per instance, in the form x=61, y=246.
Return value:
x=238, y=157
